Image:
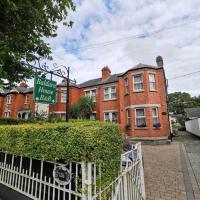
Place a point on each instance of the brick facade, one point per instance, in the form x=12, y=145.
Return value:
x=135, y=99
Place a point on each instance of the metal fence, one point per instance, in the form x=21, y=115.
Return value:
x=129, y=185
x=34, y=179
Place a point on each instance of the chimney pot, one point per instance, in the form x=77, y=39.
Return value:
x=159, y=61
x=23, y=85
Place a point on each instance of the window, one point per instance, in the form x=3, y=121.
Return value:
x=7, y=114
x=26, y=99
x=126, y=85
x=111, y=117
x=152, y=82
x=128, y=117
x=63, y=95
x=110, y=93
x=155, y=116
x=138, y=82
x=9, y=99
x=93, y=116
x=140, y=119
x=92, y=94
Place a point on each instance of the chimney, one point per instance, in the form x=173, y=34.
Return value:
x=159, y=61
x=105, y=72
x=23, y=85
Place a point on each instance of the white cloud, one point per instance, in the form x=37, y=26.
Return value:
x=95, y=21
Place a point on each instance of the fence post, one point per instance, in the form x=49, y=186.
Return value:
x=83, y=167
x=141, y=171
x=89, y=181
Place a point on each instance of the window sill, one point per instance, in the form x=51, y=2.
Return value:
x=137, y=91
x=109, y=99
x=154, y=128
x=141, y=128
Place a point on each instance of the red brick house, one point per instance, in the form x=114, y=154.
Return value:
x=136, y=99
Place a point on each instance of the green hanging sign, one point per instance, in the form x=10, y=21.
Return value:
x=44, y=91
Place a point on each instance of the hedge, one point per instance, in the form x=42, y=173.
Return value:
x=87, y=141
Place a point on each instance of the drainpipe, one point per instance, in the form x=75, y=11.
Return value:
x=159, y=61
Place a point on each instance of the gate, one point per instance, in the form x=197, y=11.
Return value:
x=34, y=179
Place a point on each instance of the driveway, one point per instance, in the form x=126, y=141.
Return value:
x=192, y=146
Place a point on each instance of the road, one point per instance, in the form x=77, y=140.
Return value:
x=192, y=145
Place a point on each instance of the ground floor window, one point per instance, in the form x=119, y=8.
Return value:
x=128, y=117
x=140, y=118
x=93, y=116
x=7, y=114
x=111, y=116
x=155, y=117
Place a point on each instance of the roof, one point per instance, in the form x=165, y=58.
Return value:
x=192, y=112
x=64, y=83
x=17, y=90
x=99, y=81
x=141, y=66
x=114, y=77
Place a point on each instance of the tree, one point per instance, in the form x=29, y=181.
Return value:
x=83, y=109
x=23, y=27
x=86, y=107
x=178, y=101
x=74, y=111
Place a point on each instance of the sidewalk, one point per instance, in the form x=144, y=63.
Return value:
x=168, y=174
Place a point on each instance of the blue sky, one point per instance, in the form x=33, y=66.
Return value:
x=102, y=21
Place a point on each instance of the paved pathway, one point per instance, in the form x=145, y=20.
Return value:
x=168, y=174
x=192, y=145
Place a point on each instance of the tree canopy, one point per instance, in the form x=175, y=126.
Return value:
x=23, y=26
x=178, y=101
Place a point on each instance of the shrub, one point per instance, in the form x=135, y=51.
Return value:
x=14, y=121
x=89, y=141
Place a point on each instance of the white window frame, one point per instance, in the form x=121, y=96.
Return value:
x=128, y=117
x=141, y=82
x=26, y=99
x=93, y=114
x=63, y=95
x=152, y=82
x=90, y=93
x=110, y=116
x=155, y=116
x=140, y=117
x=7, y=114
x=9, y=99
x=110, y=93
x=126, y=85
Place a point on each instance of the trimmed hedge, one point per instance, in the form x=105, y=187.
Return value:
x=77, y=141
x=16, y=121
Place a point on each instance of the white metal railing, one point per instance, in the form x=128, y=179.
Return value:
x=129, y=185
x=34, y=179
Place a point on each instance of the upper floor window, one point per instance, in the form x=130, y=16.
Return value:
x=92, y=94
x=152, y=82
x=126, y=85
x=140, y=118
x=26, y=99
x=8, y=99
x=138, y=82
x=111, y=117
x=63, y=95
x=110, y=93
x=155, y=116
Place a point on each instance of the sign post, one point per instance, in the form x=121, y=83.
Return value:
x=44, y=90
